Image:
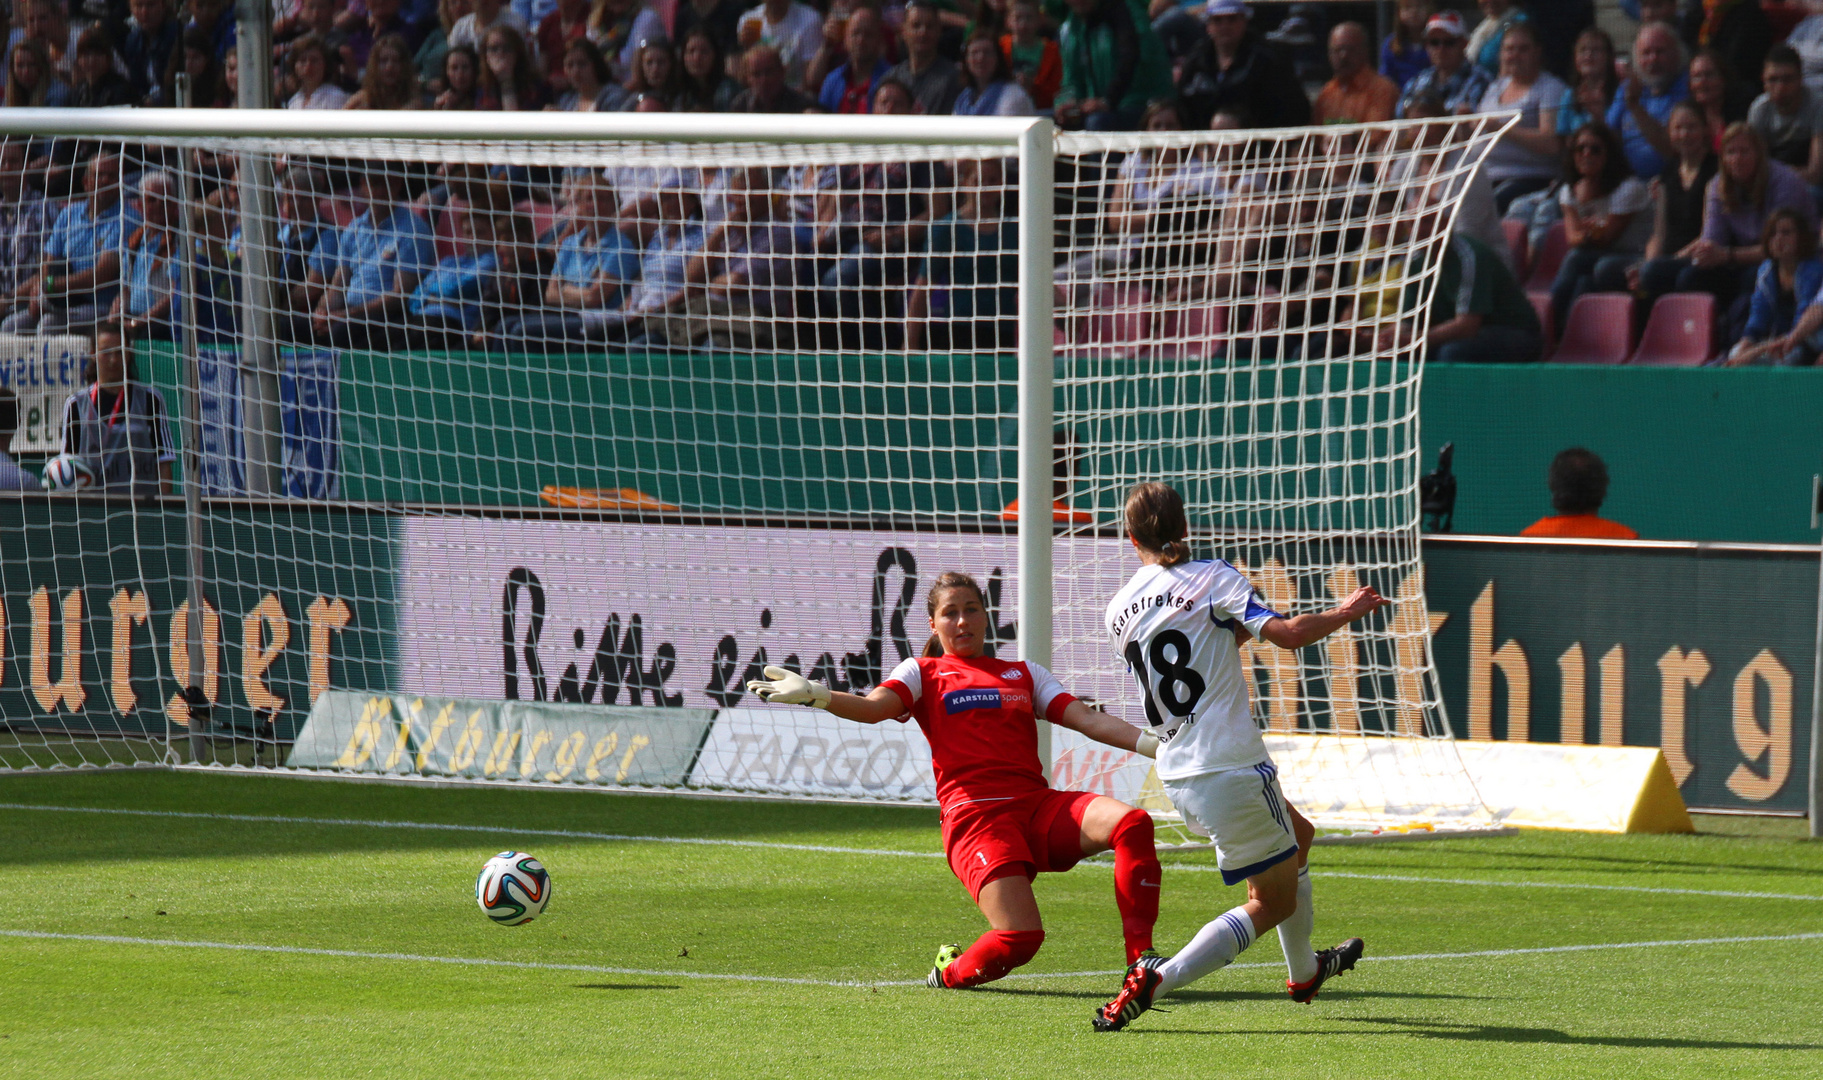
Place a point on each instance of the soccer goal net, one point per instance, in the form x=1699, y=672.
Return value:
x=506, y=448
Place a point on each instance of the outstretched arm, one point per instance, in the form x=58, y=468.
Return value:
x=1108, y=730
x=1302, y=630
x=785, y=687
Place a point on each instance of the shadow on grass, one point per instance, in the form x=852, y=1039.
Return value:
x=626, y=986
x=1186, y=997
x=1443, y=1029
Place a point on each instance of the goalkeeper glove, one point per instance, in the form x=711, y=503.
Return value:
x=782, y=687
x=1146, y=745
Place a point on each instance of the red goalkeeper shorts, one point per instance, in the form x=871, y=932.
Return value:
x=1039, y=832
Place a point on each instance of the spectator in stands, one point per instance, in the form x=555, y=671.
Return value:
x=596, y=266
x=795, y=30
x=720, y=19
x=1497, y=17
x=447, y=303
x=933, y=80
x=98, y=85
x=1356, y=94
x=1579, y=485
x=380, y=258
x=1034, y=59
x=80, y=274
x=671, y=238
x=567, y=22
x=966, y=297
x=767, y=91
x=392, y=80
x=1790, y=277
x=461, y=78
x=1479, y=313
x=1458, y=84
x=1113, y=66
x=44, y=21
x=383, y=17
x=1644, y=103
x=833, y=52
x=1736, y=31
x=887, y=208
x=1747, y=189
x=988, y=88
x=1592, y=82
x=208, y=90
x=1403, y=55
x=1235, y=68
x=31, y=81
x=1433, y=154
x=850, y=88
x=655, y=75
x=1788, y=116
x=12, y=477
x=151, y=39
x=706, y=85
x=1529, y=156
x=1717, y=97
x=618, y=26
x=150, y=259
x=435, y=46
x=1607, y=215
x=216, y=23
x=313, y=65
x=751, y=270
x=471, y=29
x=1682, y=191
x=120, y=425
x=25, y=224
x=586, y=73
x=510, y=79
x=307, y=251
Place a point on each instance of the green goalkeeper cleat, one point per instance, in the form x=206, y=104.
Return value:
x=946, y=955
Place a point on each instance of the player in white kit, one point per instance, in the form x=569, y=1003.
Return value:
x=1180, y=625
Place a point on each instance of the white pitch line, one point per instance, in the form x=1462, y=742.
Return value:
x=598, y=969
x=571, y=834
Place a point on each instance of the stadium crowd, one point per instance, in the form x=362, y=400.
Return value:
x=1689, y=162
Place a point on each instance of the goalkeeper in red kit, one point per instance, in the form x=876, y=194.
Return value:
x=1002, y=825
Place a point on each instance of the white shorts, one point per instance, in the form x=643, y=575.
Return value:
x=1244, y=812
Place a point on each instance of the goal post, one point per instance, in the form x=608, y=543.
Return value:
x=594, y=412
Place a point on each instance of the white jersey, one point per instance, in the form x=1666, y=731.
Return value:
x=1175, y=627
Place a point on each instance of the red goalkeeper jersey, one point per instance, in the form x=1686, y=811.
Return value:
x=980, y=716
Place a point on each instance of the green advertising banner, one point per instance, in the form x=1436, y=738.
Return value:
x=95, y=597
x=407, y=735
x=1706, y=652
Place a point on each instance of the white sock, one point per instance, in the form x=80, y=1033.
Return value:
x=1214, y=947
x=1294, y=934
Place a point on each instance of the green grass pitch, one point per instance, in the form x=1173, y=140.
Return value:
x=612, y=980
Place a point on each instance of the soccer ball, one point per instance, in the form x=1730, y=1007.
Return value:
x=67, y=472
x=513, y=888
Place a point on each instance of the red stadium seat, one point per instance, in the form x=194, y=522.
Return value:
x=1546, y=322
x=1120, y=320
x=1516, y=243
x=1548, y=258
x=1598, y=331
x=1678, y=331
x=1195, y=331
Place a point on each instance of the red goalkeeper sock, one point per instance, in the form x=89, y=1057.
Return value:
x=991, y=956
x=1136, y=881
